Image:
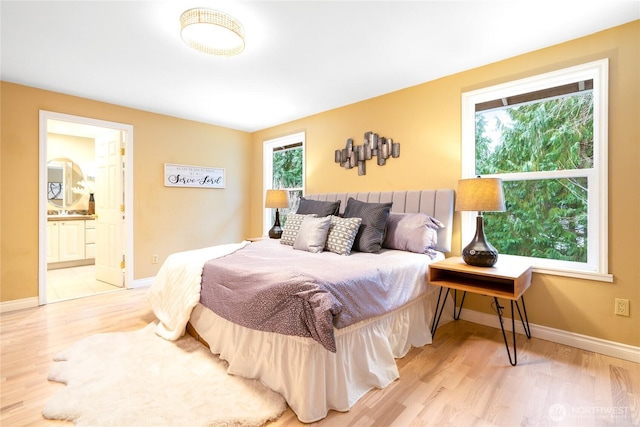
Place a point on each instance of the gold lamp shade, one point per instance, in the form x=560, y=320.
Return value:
x=276, y=199
x=480, y=194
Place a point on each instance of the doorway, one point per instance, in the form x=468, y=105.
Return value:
x=85, y=243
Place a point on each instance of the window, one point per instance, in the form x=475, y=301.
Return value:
x=283, y=166
x=546, y=138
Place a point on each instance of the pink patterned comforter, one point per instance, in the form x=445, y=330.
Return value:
x=271, y=287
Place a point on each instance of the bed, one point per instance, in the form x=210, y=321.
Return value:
x=331, y=368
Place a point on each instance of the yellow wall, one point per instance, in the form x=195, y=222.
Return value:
x=425, y=119
x=166, y=219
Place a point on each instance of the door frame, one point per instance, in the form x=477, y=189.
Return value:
x=127, y=129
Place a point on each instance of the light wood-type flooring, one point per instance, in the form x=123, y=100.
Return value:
x=462, y=379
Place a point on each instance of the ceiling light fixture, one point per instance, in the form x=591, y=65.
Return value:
x=212, y=32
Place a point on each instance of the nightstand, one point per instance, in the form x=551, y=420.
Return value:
x=256, y=239
x=504, y=280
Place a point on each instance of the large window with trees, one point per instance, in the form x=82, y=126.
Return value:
x=546, y=138
x=283, y=164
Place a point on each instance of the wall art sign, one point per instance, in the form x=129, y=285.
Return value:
x=193, y=176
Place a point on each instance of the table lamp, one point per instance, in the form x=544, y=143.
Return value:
x=480, y=194
x=276, y=199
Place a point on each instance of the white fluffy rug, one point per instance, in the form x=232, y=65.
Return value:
x=139, y=379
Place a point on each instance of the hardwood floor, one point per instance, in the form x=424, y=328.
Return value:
x=462, y=379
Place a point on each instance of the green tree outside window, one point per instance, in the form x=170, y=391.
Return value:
x=545, y=218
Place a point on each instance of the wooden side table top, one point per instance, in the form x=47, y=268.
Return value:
x=504, y=280
x=256, y=239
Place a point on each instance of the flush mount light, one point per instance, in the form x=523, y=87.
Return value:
x=212, y=32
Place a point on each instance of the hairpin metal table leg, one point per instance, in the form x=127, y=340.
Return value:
x=440, y=308
x=525, y=320
x=455, y=299
x=438, y=311
x=527, y=330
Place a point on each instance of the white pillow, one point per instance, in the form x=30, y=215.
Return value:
x=312, y=234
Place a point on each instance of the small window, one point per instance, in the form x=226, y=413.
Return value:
x=283, y=169
x=546, y=138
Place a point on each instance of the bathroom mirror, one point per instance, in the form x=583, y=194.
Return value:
x=62, y=175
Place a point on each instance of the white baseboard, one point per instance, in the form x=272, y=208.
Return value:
x=597, y=345
x=142, y=283
x=18, y=304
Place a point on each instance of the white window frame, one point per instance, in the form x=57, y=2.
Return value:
x=267, y=167
x=596, y=267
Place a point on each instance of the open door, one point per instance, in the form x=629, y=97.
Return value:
x=110, y=210
x=113, y=229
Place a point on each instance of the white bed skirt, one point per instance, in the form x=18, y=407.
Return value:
x=312, y=379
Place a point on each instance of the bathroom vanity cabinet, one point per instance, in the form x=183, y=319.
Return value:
x=70, y=241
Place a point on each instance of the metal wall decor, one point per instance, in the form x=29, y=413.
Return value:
x=373, y=146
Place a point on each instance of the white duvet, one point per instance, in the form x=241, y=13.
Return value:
x=176, y=288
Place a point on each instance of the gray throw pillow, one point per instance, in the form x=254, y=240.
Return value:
x=291, y=228
x=312, y=235
x=413, y=232
x=318, y=207
x=374, y=223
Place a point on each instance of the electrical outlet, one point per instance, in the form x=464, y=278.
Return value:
x=154, y=259
x=622, y=307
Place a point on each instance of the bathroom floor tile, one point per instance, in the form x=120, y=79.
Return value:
x=75, y=282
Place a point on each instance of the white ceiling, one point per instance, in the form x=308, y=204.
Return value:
x=301, y=57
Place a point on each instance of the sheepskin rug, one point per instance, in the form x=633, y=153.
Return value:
x=139, y=379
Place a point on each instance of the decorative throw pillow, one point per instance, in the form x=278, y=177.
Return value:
x=342, y=233
x=374, y=223
x=318, y=207
x=312, y=235
x=411, y=232
x=291, y=227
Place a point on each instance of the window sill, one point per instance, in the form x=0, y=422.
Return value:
x=559, y=268
x=578, y=274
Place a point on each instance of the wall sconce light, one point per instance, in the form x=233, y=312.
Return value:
x=373, y=146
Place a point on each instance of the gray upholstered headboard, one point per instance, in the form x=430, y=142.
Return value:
x=435, y=203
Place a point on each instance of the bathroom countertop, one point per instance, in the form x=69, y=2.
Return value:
x=71, y=217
